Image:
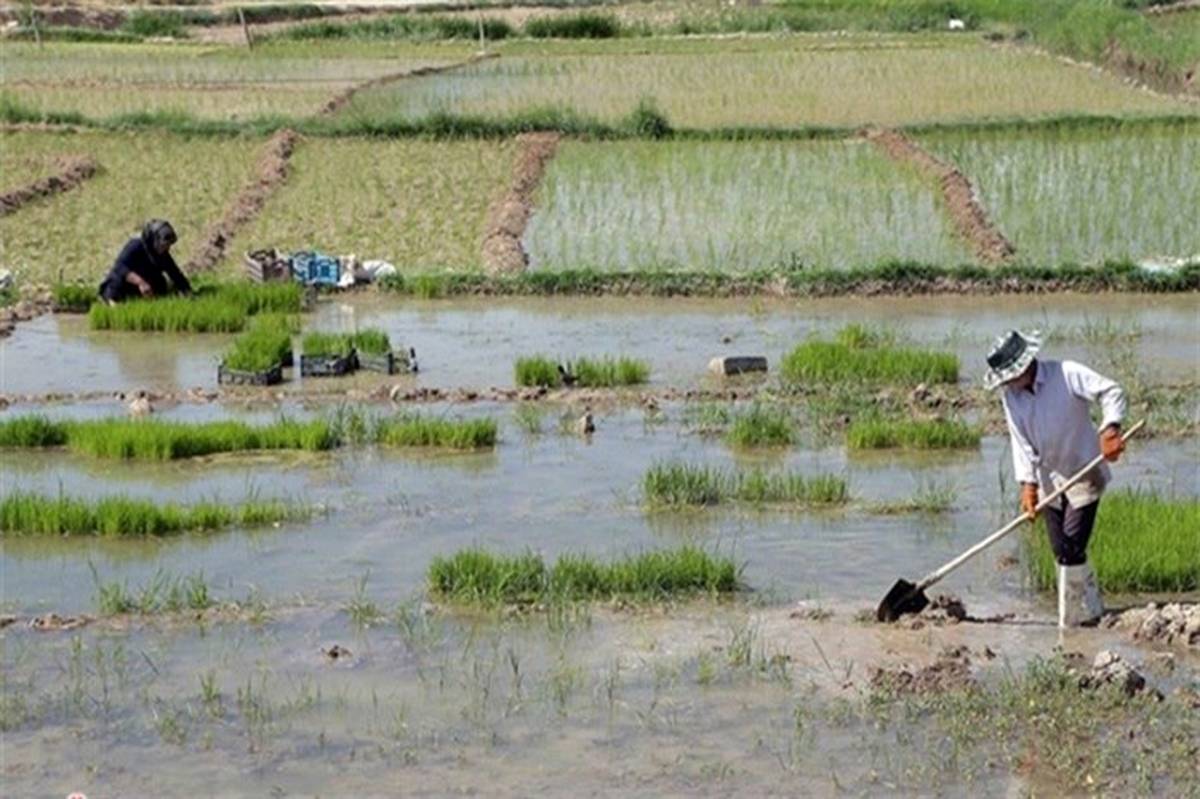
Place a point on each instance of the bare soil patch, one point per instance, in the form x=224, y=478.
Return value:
x=508, y=216
x=272, y=171
x=1175, y=623
x=73, y=170
x=967, y=213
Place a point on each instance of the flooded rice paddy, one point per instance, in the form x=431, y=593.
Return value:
x=733, y=698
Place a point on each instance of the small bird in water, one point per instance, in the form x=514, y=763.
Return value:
x=585, y=426
x=141, y=405
x=412, y=360
x=568, y=379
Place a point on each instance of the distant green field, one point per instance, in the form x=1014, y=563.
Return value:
x=186, y=180
x=418, y=204
x=1082, y=196
x=733, y=206
x=778, y=83
x=101, y=81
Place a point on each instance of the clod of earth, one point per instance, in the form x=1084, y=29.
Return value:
x=950, y=671
x=502, y=248
x=272, y=172
x=1173, y=623
x=73, y=170
x=1109, y=668
x=53, y=622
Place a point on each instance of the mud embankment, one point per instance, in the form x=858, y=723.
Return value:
x=272, y=171
x=343, y=98
x=967, y=213
x=508, y=216
x=73, y=170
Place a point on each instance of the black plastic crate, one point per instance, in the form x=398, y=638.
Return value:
x=326, y=365
x=390, y=363
x=237, y=377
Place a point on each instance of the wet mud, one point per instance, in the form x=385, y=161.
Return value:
x=503, y=251
x=1172, y=623
x=967, y=213
x=72, y=171
x=272, y=171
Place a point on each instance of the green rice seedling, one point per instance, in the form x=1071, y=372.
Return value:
x=708, y=418
x=825, y=362
x=609, y=372
x=858, y=336
x=477, y=577
x=25, y=513
x=154, y=439
x=1143, y=541
x=74, y=297
x=361, y=609
x=371, y=341
x=678, y=484
x=761, y=426
x=574, y=26
x=169, y=315
x=164, y=593
x=332, y=345
x=879, y=433
x=930, y=497
x=261, y=347
x=31, y=432
x=529, y=418
x=537, y=370
x=415, y=430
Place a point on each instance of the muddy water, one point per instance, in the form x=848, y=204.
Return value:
x=473, y=342
x=390, y=512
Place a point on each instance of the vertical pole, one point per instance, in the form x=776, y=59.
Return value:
x=245, y=27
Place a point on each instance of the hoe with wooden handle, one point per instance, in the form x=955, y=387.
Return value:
x=905, y=597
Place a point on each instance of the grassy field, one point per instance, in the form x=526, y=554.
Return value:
x=733, y=206
x=418, y=204
x=186, y=180
x=780, y=83
x=1085, y=196
x=101, y=81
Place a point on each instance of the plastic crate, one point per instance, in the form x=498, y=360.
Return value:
x=316, y=269
x=326, y=365
x=390, y=363
x=237, y=377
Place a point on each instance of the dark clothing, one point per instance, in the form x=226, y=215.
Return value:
x=136, y=257
x=1069, y=530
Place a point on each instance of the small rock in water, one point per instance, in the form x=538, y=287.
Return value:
x=737, y=364
x=1109, y=668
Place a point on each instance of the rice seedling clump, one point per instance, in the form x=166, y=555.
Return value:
x=761, y=426
x=537, y=370
x=876, y=433
x=327, y=345
x=371, y=341
x=31, y=432
x=27, y=513
x=414, y=430
x=163, y=594
x=1143, y=541
x=218, y=308
x=608, y=372
x=267, y=342
x=478, y=577
x=678, y=484
x=851, y=359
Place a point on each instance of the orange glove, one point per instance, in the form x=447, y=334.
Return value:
x=1111, y=444
x=1029, y=499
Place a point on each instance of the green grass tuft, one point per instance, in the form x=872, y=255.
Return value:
x=371, y=341
x=609, y=372
x=677, y=484
x=74, y=297
x=478, y=577
x=23, y=513
x=1143, y=541
x=267, y=342
x=537, y=370
x=817, y=362
x=761, y=426
x=574, y=26
x=30, y=432
x=220, y=308
x=414, y=430
x=163, y=594
x=875, y=433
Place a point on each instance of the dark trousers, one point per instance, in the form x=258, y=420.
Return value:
x=1070, y=528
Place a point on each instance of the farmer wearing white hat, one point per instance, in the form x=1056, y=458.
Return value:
x=1046, y=404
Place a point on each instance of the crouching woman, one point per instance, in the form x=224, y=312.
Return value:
x=145, y=268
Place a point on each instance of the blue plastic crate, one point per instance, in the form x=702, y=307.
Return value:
x=315, y=268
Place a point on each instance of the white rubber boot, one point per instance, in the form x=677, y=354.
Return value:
x=1070, y=596
x=1093, y=602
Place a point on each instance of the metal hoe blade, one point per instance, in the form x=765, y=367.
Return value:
x=905, y=597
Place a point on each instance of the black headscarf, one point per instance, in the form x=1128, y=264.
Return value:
x=158, y=231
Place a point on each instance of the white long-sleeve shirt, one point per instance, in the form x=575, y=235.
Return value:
x=1051, y=429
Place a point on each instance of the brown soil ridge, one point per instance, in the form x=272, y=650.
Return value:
x=74, y=170
x=968, y=214
x=1171, y=8
x=343, y=98
x=506, y=220
x=271, y=173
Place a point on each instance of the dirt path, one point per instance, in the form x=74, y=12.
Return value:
x=506, y=219
x=969, y=216
x=249, y=202
x=343, y=98
x=74, y=170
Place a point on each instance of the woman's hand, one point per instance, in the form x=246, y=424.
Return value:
x=1029, y=499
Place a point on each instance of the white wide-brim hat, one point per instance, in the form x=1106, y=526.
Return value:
x=1010, y=357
